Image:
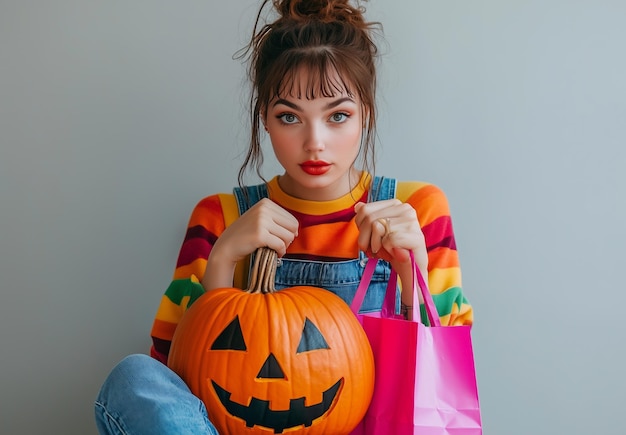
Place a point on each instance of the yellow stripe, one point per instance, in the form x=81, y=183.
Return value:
x=229, y=207
x=445, y=319
x=405, y=189
x=170, y=312
x=230, y=210
x=464, y=316
x=441, y=279
x=317, y=208
x=196, y=267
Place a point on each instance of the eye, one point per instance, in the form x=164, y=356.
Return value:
x=339, y=117
x=231, y=338
x=288, y=118
x=312, y=338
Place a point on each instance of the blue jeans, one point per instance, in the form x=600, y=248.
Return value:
x=142, y=396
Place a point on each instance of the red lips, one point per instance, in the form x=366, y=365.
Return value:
x=315, y=167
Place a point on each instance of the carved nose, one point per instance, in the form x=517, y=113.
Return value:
x=271, y=369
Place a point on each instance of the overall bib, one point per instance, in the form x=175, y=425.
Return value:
x=342, y=277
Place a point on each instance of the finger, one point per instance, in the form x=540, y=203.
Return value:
x=397, y=247
x=271, y=223
x=379, y=232
x=370, y=236
x=289, y=223
x=366, y=223
x=277, y=244
x=374, y=210
x=278, y=214
x=285, y=235
x=365, y=234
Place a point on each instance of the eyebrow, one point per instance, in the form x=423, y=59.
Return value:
x=330, y=105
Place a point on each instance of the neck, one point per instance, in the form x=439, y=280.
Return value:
x=331, y=192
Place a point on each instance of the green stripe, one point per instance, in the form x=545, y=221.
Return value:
x=445, y=301
x=179, y=288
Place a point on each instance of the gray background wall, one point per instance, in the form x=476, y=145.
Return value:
x=117, y=116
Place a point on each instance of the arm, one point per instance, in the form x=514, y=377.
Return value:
x=389, y=230
x=204, y=227
x=265, y=224
x=444, y=272
x=418, y=220
x=209, y=254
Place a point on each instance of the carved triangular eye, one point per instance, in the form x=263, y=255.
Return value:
x=231, y=338
x=312, y=338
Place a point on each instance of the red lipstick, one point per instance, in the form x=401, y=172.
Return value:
x=315, y=167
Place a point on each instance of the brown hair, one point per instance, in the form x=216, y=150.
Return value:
x=324, y=36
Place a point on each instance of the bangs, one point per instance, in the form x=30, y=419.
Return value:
x=310, y=76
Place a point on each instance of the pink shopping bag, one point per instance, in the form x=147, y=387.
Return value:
x=425, y=376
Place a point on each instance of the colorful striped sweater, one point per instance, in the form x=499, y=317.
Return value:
x=327, y=232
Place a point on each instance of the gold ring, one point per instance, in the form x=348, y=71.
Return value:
x=385, y=222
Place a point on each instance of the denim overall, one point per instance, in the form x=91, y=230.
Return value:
x=342, y=277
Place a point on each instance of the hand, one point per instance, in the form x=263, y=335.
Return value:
x=389, y=230
x=265, y=224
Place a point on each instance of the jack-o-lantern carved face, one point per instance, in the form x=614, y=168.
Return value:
x=259, y=411
x=295, y=360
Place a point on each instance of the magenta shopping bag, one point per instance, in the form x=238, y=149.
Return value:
x=425, y=377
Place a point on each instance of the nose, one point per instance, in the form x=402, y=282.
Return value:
x=271, y=369
x=315, y=138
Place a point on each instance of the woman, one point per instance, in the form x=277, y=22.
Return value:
x=314, y=79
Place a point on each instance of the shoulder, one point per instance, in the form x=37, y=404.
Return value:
x=209, y=207
x=211, y=202
x=411, y=191
x=428, y=199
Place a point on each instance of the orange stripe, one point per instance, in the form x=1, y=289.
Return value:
x=330, y=240
x=443, y=257
x=430, y=203
x=208, y=207
x=163, y=330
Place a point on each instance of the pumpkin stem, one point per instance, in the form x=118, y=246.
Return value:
x=263, y=271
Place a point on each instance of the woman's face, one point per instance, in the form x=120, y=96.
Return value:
x=315, y=140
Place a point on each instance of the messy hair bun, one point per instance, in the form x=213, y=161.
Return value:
x=330, y=39
x=322, y=10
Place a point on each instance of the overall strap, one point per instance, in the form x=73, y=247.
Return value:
x=245, y=198
x=254, y=195
x=382, y=188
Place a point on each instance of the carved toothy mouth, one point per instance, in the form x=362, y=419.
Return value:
x=258, y=412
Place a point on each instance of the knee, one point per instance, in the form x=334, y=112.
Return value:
x=129, y=371
x=140, y=374
x=142, y=395
x=135, y=363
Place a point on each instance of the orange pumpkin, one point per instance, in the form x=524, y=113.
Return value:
x=265, y=361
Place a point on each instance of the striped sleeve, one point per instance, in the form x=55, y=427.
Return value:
x=444, y=272
x=205, y=225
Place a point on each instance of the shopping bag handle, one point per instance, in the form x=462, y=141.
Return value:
x=389, y=303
